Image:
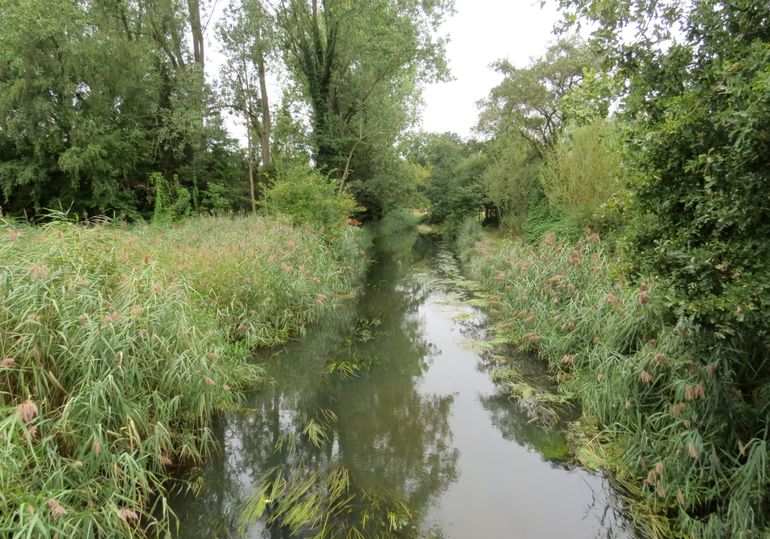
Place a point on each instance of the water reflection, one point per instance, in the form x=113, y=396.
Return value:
x=391, y=438
x=421, y=424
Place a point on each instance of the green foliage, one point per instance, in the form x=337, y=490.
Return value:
x=117, y=348
x=528, y=102
x=700, y=206
x=397, y=222
x=454, y=188
x=307, y=197
x=362, y=92
x=524, y=116
x=91, y=103
x=699, y=215
x=510, y=179
x=583, y=172
x=391, y=185
x=172, y=201
x=669, y=419
x=216, y=199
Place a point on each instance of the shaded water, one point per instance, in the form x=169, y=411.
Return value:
x=420, y=423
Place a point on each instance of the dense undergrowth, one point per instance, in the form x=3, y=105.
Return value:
x=119, y=346
x=660, y=410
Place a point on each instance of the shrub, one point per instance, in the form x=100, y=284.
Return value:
x=306, y=197
x=172, y=201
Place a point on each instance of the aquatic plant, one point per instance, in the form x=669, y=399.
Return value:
x=117, y=348
x=323, y=504
x=668, y=419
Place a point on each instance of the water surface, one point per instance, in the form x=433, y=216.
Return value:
x=421, y=423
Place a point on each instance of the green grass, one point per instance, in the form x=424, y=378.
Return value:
x=117, y=348
x=663, y=415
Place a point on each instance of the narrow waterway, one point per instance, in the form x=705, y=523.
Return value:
x=400, y=400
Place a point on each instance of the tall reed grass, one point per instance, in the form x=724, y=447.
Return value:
x=661, y=413
x=117, y=348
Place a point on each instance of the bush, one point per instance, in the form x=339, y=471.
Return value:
x=306, y=197
x=172, y=201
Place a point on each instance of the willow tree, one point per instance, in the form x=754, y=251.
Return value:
x=528, y=101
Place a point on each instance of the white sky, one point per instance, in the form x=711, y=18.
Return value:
x=481, y=32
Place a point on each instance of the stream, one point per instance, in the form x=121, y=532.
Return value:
x=391, y=389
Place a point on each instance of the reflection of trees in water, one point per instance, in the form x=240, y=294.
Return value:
x=516, y=425
x=393, y=441
x=603, y=508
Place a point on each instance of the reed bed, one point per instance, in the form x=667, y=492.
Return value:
x=264, y=279
x=659, y=411
x=117, y=348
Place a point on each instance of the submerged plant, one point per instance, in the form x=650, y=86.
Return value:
x=323, y=504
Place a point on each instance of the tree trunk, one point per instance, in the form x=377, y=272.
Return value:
x=264, y=133
x=197, y=31
x=250, y=160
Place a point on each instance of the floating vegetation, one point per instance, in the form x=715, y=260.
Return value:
x=350, y=368
x=540, y=405
x=365, y=329
x=323, y=504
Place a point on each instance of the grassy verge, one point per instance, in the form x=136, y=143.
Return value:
x=117, y=347
x=656, y=411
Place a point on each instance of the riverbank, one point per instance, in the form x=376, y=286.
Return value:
x=653, y=408
x=119, y=346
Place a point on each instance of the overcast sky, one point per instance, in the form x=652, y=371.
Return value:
x=481, y=32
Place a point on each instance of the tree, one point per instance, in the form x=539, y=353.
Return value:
x=247, y=39
x=454, y=188
x=528, y=100
x=95, y=97
x=509, y=179
x=358, y=66
x=583, y=171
